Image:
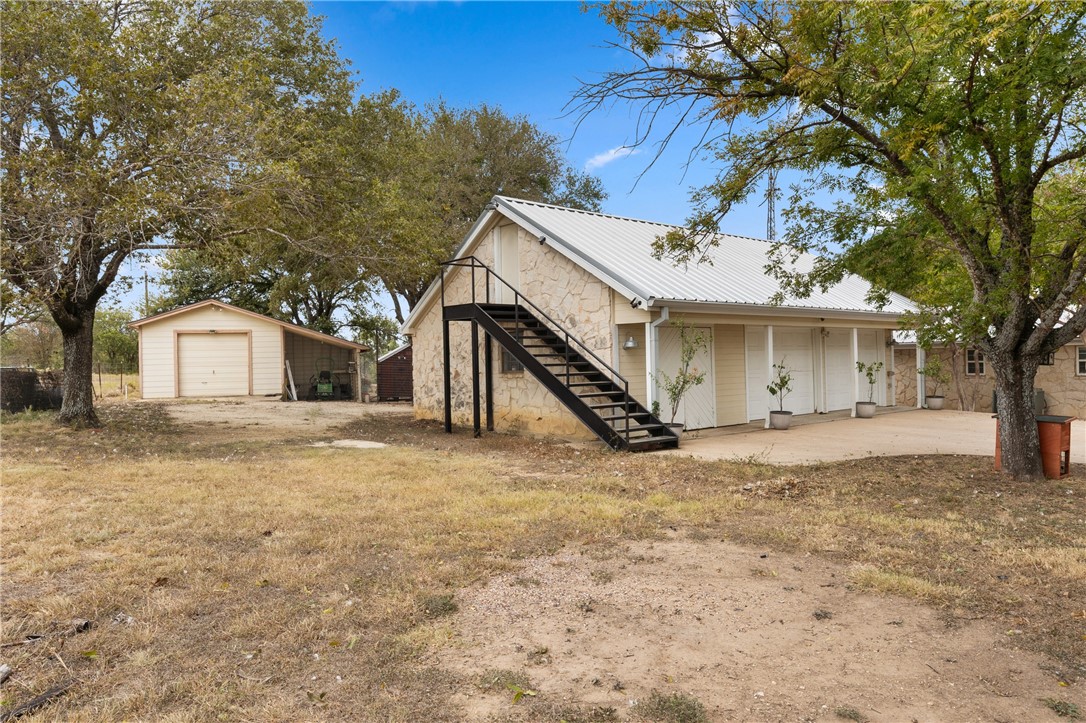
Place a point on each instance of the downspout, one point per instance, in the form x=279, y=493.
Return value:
x=651, y=352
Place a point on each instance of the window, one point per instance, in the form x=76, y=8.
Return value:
x=1082, y=361
x=510, y=364
x=974, y=363
x=1049, y=359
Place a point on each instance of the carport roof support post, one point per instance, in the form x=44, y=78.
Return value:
x=768, y=365
x=855, y=369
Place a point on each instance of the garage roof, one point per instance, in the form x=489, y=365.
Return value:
x=620, y=251
x=293, y=328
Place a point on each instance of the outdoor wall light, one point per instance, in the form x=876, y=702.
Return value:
x=630, y=343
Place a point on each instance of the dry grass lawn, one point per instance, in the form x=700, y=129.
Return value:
x=268, y=580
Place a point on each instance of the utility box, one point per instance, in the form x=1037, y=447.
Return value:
x=1054, y=437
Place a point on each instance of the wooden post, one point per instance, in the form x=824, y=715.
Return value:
x=768, y=365
x=855, y=369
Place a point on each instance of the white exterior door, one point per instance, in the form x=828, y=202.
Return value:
x=840, y=373
x=792, y=346
x=869, y=354
x=507, y=262
x=213, y=365
x=697, y=410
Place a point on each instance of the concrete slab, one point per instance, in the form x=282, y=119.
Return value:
x=918, y=431
x=351, y=444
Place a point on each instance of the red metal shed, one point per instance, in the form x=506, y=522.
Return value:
x=394, y=375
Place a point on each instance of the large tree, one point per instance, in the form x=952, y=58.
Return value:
x=469, y=156
x=951, y=133
x=132, y=125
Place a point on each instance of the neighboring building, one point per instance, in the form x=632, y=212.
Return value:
x=394, y=375
x=596, y=276
x=214, y=349
x=1063, y=379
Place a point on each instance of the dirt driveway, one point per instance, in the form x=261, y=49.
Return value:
x=722, y=631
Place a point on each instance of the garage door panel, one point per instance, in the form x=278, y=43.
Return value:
x=697, y=410
x=839, y=370
x=213, y=365
x=792, y=347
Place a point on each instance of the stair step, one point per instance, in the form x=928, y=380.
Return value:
x=597, y=383
x=639, y=427
x=610, y=393
x=650, y=443
x=631, y=415
x=608, y=404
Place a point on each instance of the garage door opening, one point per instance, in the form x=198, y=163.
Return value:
x=214, y=364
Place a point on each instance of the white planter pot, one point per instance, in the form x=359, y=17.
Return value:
x=780, y=420
x=934, y=402
x=676, y=429
x=865, y=410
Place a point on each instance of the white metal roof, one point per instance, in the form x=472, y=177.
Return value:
x=620, y=251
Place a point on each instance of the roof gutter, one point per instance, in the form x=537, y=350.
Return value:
x=770, y=310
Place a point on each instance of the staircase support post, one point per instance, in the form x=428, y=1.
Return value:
x=475, y=378
x=488, y=362
x=447, y=375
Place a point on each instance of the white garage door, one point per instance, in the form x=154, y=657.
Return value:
x=840, y=372
x=697, y=410
x=793, y=347
x=213, y=365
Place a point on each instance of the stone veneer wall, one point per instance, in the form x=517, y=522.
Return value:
x=905, y=374
x=565, y=291
x=1064, y=391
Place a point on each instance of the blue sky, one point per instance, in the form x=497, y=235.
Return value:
x=529, y=58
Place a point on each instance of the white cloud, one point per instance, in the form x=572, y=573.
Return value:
x=602, y=159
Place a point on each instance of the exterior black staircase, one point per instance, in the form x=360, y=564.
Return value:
x=586, y=385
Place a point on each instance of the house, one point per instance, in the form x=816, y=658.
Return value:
x=394, y=374
x=594, y=277
x=215, y=349
x=1060, y=384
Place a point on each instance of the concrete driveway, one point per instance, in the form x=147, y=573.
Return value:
x=890, y=433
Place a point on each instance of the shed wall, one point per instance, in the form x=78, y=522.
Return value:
x=158, y=354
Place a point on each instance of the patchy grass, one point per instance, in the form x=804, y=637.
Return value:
x=673, y=708
x=1062, y=708
x=846, y=712
x=269, y=580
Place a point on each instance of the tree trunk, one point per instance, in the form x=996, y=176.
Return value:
x=1019, y=444
x=78, y=405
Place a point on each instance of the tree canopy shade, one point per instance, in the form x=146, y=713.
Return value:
x=132, y=125
x=952, y=133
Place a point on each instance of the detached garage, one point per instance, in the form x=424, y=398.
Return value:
x=214, y=349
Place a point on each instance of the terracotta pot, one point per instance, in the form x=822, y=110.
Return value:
x=865, y=410
x=780, y=420
x=935, y=402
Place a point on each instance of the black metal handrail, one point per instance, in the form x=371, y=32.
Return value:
x=473, y=263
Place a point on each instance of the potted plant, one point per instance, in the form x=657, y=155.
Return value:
x=866, y=410
x=780, y=386
x=934, y=375
x=691, y=341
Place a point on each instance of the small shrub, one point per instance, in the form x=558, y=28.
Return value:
x=849, y=713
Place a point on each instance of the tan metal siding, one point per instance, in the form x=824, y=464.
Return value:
x=631, y=362
x=731, y=374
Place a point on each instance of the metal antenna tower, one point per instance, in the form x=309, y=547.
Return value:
x=771, y=211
